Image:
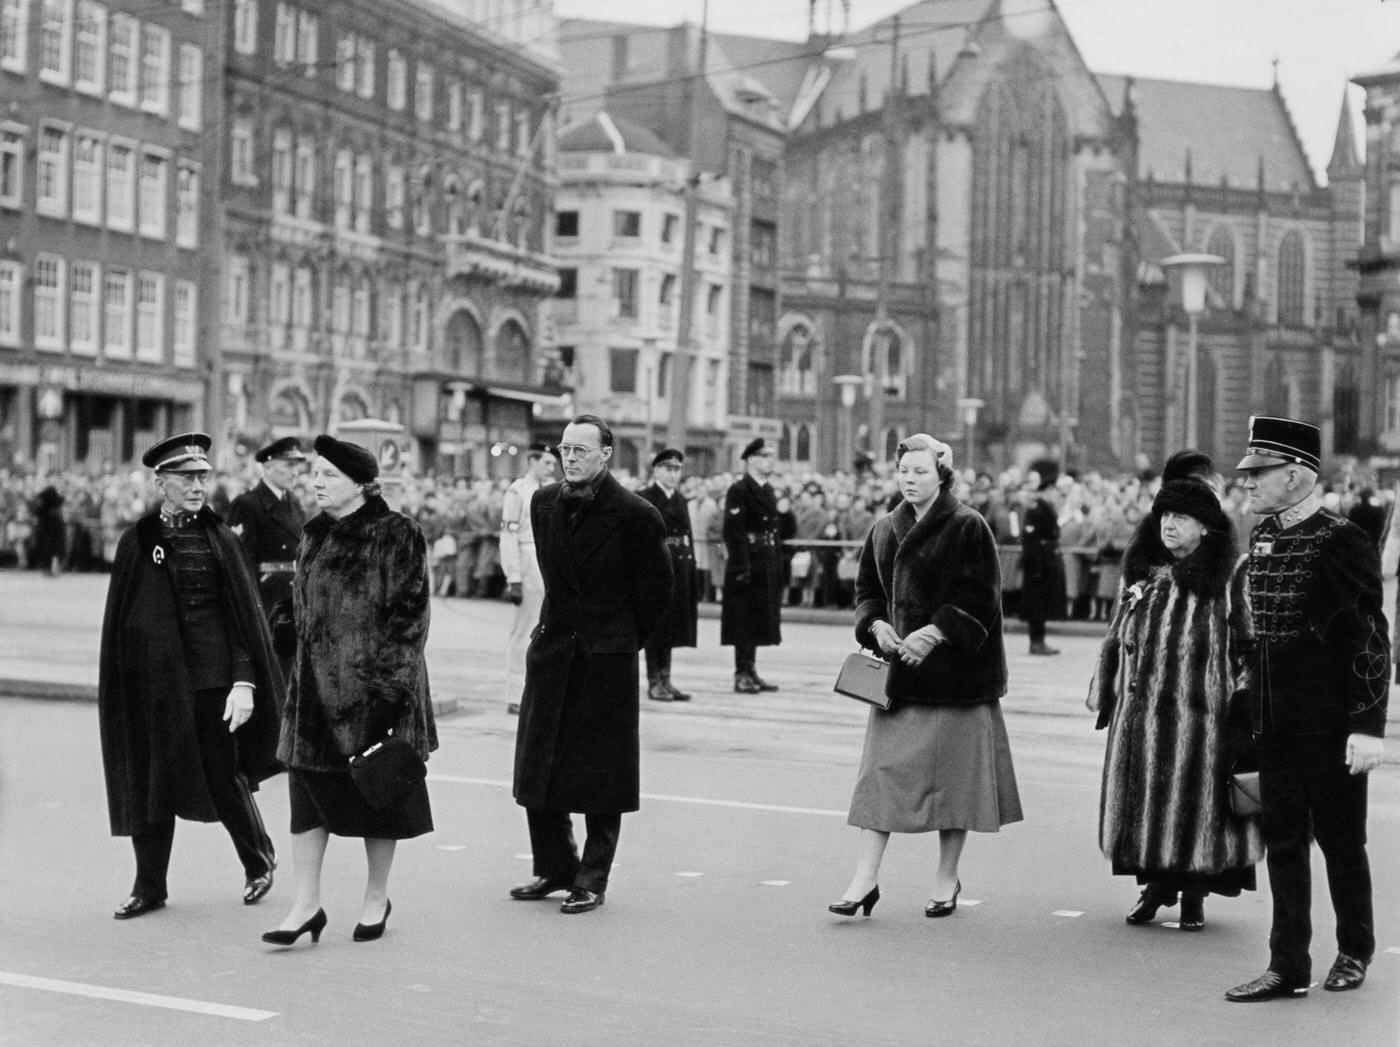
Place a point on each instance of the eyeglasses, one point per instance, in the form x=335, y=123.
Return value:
x=188, y=479
x=575, y=451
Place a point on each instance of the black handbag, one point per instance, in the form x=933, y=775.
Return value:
x=386, y=771
x=863, y=677
x=1245, y=801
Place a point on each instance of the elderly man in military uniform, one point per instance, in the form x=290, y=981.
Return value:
x=678, y=627
x=1319, y=693
x=754, y=579
x=524, y=586
x=269, y=519
x=189, y=691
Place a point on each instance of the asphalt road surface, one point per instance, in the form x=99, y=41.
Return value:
x=715, y=928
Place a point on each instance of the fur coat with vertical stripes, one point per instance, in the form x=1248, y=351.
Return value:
x=1171, y=686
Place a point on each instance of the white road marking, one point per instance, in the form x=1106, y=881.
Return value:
x=689, y=874
x=145, y=999
x=969, y=901
x=774, y=883
x=1066, y=912
x=452, y=847
x=699, y=801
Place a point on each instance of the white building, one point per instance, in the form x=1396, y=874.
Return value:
x=619, y=230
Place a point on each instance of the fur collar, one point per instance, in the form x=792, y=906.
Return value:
x=1206, y=572
x=357, y=523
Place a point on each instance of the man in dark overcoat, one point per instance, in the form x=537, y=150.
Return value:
x=678, y=627
x=754, y=576
x=1321, y=683
x=189, y=690
x=1042, y=567
x=607, y=582
x=269, y=518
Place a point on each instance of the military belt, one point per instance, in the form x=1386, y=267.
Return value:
x=762, y=538
x=681, y=540
x=278, y=567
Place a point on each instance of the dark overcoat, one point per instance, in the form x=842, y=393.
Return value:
x=270, y=530
x=942, y=570
x=145, y=703
x=755, y=575
x=1172, y=686
x=361, y=608
x=607, y=581
x=678, y=626
x=1042, y=566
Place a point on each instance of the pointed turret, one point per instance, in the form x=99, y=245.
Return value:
x=1345, y=162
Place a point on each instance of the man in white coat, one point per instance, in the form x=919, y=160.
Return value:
x=524, y=586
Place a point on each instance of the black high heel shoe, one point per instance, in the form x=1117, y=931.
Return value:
x=845, y=908
x=935, y=909
x=315, y=925
x=368, y=932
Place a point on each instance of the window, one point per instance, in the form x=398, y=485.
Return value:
x=187, y=206
x=1392, y=402
x=666, y=297
x=191, y=87
x=419, y=319
x=306, y=177
x=345, y=51
x=423, y=92
x=394, y=196
x=522, y=132
x=121, y=187
x=453, y=91
x=11, y=280
x=359, y=317
x=51, y=174
x=11, y=168
x=90, y=46
x=151, y=195
x=714, y=299
x=398, y=80
x=364, y=191
x=121, y=59
x=245, y=26
x=116, y=313
x=241, y=159
x=193, y=7
x=476, y=114
x=240, y=277
x=280, y=308
x=14, y=33
x=716, y=240
x=763, y=245
x=503, y=126
x=85, y=307
x=183, y=334
x=282, y=171
x=344, y=188
x=55, y=39
x=301, y=298
x=568, y=283
x=308, y=42
x=627, y=224
x=155, y=69
x=391, y=317
x=87, y=179
x=625, y=294
x=340, y=306
x=366, y=68
x=566, y=224
x=284, y=40
x=669, y=224
x=622, y=370
x=1292, y=262
x=49, y=299
x=1222, y=277
x=150, y=316
x=423, y=201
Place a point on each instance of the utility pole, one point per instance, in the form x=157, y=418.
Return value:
x=685, y=346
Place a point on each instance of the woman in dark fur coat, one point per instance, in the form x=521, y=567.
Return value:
x=1170, y=687
x=360, y=613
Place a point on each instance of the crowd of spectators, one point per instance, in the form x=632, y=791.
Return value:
x=71, y=522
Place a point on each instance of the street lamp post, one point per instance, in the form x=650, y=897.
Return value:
x=969, y=406
x=1194, y=270
x=848, y=384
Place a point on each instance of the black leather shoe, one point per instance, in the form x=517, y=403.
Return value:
x=540, y=888
x=255, y=890
x=1148, y=903
x=763, y=685
x=1193, y=912
x=657, y=692
x=580, y=900
x=744, y=683
x=1043, y=649
x=1347, y=972
x=137, y=906
x=513, y=709
x=1268, y=986
x=676, y=693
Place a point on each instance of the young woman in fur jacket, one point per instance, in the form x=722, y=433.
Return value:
x=1170, y=688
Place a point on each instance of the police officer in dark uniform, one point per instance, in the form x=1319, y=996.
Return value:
x=189, y=691
x=754, y=579
x=1319, y=692
x=269, y=519
x=677, y=627
x=1042, y=567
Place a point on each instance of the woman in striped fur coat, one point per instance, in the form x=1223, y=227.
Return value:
x=1170, y=687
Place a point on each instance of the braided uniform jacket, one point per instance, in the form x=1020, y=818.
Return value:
x=1322, y=655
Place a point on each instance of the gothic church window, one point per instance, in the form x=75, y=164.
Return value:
x=1292, y=263
x=1222, y=277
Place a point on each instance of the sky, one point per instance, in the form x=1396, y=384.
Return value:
x=1319, y=44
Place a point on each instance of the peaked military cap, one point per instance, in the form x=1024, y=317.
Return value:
x=670, y=454
x=289, y=448
x=185, y=453
x=1282, y=441
x=755, y=446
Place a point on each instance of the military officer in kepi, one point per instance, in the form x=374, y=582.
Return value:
x=269, y=519
x=189, y=690
x=750, y=616
x=677, y=627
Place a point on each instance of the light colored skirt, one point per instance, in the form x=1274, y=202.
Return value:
x=928, y=767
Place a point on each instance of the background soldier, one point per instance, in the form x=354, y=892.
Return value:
x=677, y=628
x=1042, y=567
x=186, y=662
x=607, y=581
x=1320, y=689
x=754, y=578
x=524, y=586
x=269, y=519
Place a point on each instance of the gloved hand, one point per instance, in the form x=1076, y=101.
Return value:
x=238, y=708
x=513, y=593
